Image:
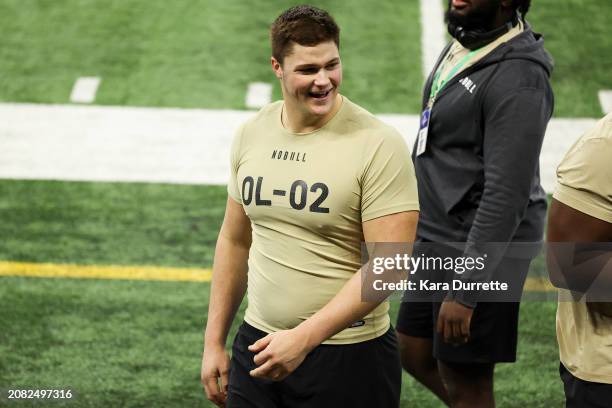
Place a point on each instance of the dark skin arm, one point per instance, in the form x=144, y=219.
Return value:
x=566, y=224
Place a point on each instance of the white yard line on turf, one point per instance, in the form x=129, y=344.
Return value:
x=259, y=94
x=433, y=33
x=104, y=143
x=605, y=99
x=84, y=90
x=166, y=145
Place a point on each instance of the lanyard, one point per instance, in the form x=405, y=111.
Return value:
x=438, y=84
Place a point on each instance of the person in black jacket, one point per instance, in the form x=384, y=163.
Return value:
x=486, y=106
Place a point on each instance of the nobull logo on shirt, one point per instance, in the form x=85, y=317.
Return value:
x=287, y=155
x=469, y=84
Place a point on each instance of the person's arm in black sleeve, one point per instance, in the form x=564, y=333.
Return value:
x=513, y=136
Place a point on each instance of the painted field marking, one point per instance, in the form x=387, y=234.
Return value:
x=433, y=33
x=152, y=273
x=168, y=145
x=85, y=89
x=605, y=99
x=533, y=284
x=259, y=94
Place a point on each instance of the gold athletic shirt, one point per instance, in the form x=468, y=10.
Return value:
x=307, y=196
x=585, y=184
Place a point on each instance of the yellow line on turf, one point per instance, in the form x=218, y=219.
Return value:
x=539, y=284
x=49, y=270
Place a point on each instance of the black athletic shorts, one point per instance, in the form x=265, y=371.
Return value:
x=493, y=328
x=584, y=394
x=366, y=374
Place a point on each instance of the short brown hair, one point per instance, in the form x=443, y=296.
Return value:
x=304, y=25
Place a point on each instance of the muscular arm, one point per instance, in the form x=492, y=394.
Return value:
x=565, y=224
x=280, y=353
x=346, y=307
x=228, y=287
x=229, y=279
x=577, y=264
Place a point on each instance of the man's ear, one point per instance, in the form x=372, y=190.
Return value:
x=508, y=3
x=276, y=67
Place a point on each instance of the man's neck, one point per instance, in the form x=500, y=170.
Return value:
x=298, y=121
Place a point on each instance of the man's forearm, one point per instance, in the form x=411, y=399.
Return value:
x=347, y=306
x=339, y=313
x=228, y=287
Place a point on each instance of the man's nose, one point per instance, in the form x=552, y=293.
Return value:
x=322, y=78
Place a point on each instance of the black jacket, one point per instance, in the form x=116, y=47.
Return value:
x=478, y=179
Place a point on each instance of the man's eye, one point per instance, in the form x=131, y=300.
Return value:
x=308, y=71
x=332, y=65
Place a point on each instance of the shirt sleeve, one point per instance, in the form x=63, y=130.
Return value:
x=585, y=180
x=388, y=183
x=233, y=188
x=513, y=135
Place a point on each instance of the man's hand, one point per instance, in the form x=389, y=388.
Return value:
x=279, y=354
x=215, y=368
x=454, y=322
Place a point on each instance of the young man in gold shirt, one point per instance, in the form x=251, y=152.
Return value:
x=313, y=176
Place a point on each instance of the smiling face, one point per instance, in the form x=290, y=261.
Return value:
x=310, y=77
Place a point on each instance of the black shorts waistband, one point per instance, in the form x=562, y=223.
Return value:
x=253, y=332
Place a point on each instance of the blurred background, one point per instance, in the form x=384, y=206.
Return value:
x=115, y=123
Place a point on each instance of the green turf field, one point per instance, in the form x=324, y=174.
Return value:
x=194, y=53
x=577, y=33
x=109, y=223
x=204, y=53
x=138, y=344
